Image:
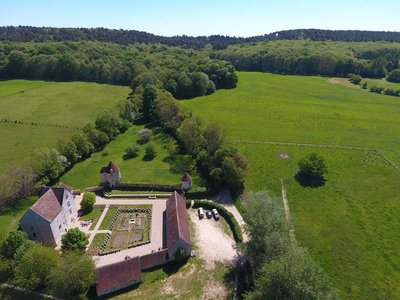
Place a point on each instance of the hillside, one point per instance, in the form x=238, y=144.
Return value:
x=125, y=37
x=57, y=110
x=350, y=224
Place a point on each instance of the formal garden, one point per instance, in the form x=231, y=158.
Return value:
x=129, y=227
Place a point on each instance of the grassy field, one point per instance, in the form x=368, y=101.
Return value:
x=93, y=216
x=351, y=225
x=163, y=169
x=58, y=109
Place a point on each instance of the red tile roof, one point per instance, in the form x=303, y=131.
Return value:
x=49, y=205
x=66, y=186
x=111, y=168
x=118, y=275
x=177, y=220
x=186, y=177
x=153, y=259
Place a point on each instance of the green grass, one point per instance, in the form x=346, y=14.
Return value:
x=135, y=170
x=96, y=243
x=108, y=218
x=351, y=225
x=68, y=105
x=382, y=82
x=9, y=218
x=94, y=215
x=9, y=87
x=303, y=110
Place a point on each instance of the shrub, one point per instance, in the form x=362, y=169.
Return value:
x=145, y=134
x=88, y=201
x=389, y=92
x=365, y=85
x=376, y=89
x=150, y=151
x=394, y=76
x=132, y=151
x=355, y=79
x=312, y=169
x=227, y=215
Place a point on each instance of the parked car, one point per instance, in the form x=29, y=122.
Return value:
x=201, y=212
x=208, y=214
x=215, y=214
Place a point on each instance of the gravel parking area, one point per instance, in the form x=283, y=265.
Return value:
x=214, y=245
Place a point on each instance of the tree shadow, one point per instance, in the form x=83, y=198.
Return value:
x=148, y=157
x=309, y=181
x=180, y=164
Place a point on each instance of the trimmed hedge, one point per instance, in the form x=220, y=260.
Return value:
x=147, y=187
x=227, y=215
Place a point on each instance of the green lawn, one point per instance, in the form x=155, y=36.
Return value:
x=351, y=225
x=9, y=219
x=66, y=105
x=163, y=169
x=108, y=218
x=94, y=215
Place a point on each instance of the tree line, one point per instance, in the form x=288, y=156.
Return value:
x=125, y=37
x=185, y=73
x=306, y=57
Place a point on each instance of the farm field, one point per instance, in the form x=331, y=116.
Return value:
x=163, y=169
x=351, y=224
x=58, y=109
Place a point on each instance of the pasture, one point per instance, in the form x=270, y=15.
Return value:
x=351, y=224
x=47, y=112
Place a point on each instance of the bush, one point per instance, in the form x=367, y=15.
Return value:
x=355, y=79
x=74, y=240
x=150, y=151
x=132, y=151
x=312, y=169
x=365, y=85
x=376, y=89
x=228, y=216
x=145, y=134
x=389, y=92
x=88, y=201
x=394, y=76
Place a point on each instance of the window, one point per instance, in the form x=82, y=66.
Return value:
x=69, y=204
x=59, y=227
x=70, y=211
x=34, y=235
x=66, y=196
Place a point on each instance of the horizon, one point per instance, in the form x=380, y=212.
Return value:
x=228, y=18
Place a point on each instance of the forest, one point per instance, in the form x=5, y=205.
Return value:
x=306, y=57
x=186, y=73
x=125, y=37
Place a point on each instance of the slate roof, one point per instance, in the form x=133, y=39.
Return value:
x=186, y=177
x=177, y=220
x=118, y=275
x=153, y=259
x=49, y=204
x=111, y=168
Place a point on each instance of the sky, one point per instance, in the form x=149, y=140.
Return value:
x=204, y=17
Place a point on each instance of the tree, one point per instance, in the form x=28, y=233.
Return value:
x=109, y=123
x=73, y=276
x=47, y=163
x=33, y=271
x=151, y=151
x=145, y=134
x=14, y=240
x=214, y=135
x=88, y=200
x=96, y=137
x=83, y=146
x=149, y=98
x=355, y=79
x=68, y=149
x=294, y=276
x=168, y=113
x=312, y=168
x=131, y=151
x=190, y=134
x=74, y=240
x=394, y=76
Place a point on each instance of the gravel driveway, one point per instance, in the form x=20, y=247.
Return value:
x=214, y=245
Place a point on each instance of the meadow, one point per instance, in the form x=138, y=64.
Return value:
x=351, y=224
x=163, y=169
x=56, y=109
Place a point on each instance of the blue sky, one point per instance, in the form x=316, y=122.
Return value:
x=204, y=17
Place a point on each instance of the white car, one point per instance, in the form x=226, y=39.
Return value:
x=201, y=212
x=215, y=213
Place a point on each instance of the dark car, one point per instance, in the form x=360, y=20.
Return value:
x=209, y=214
